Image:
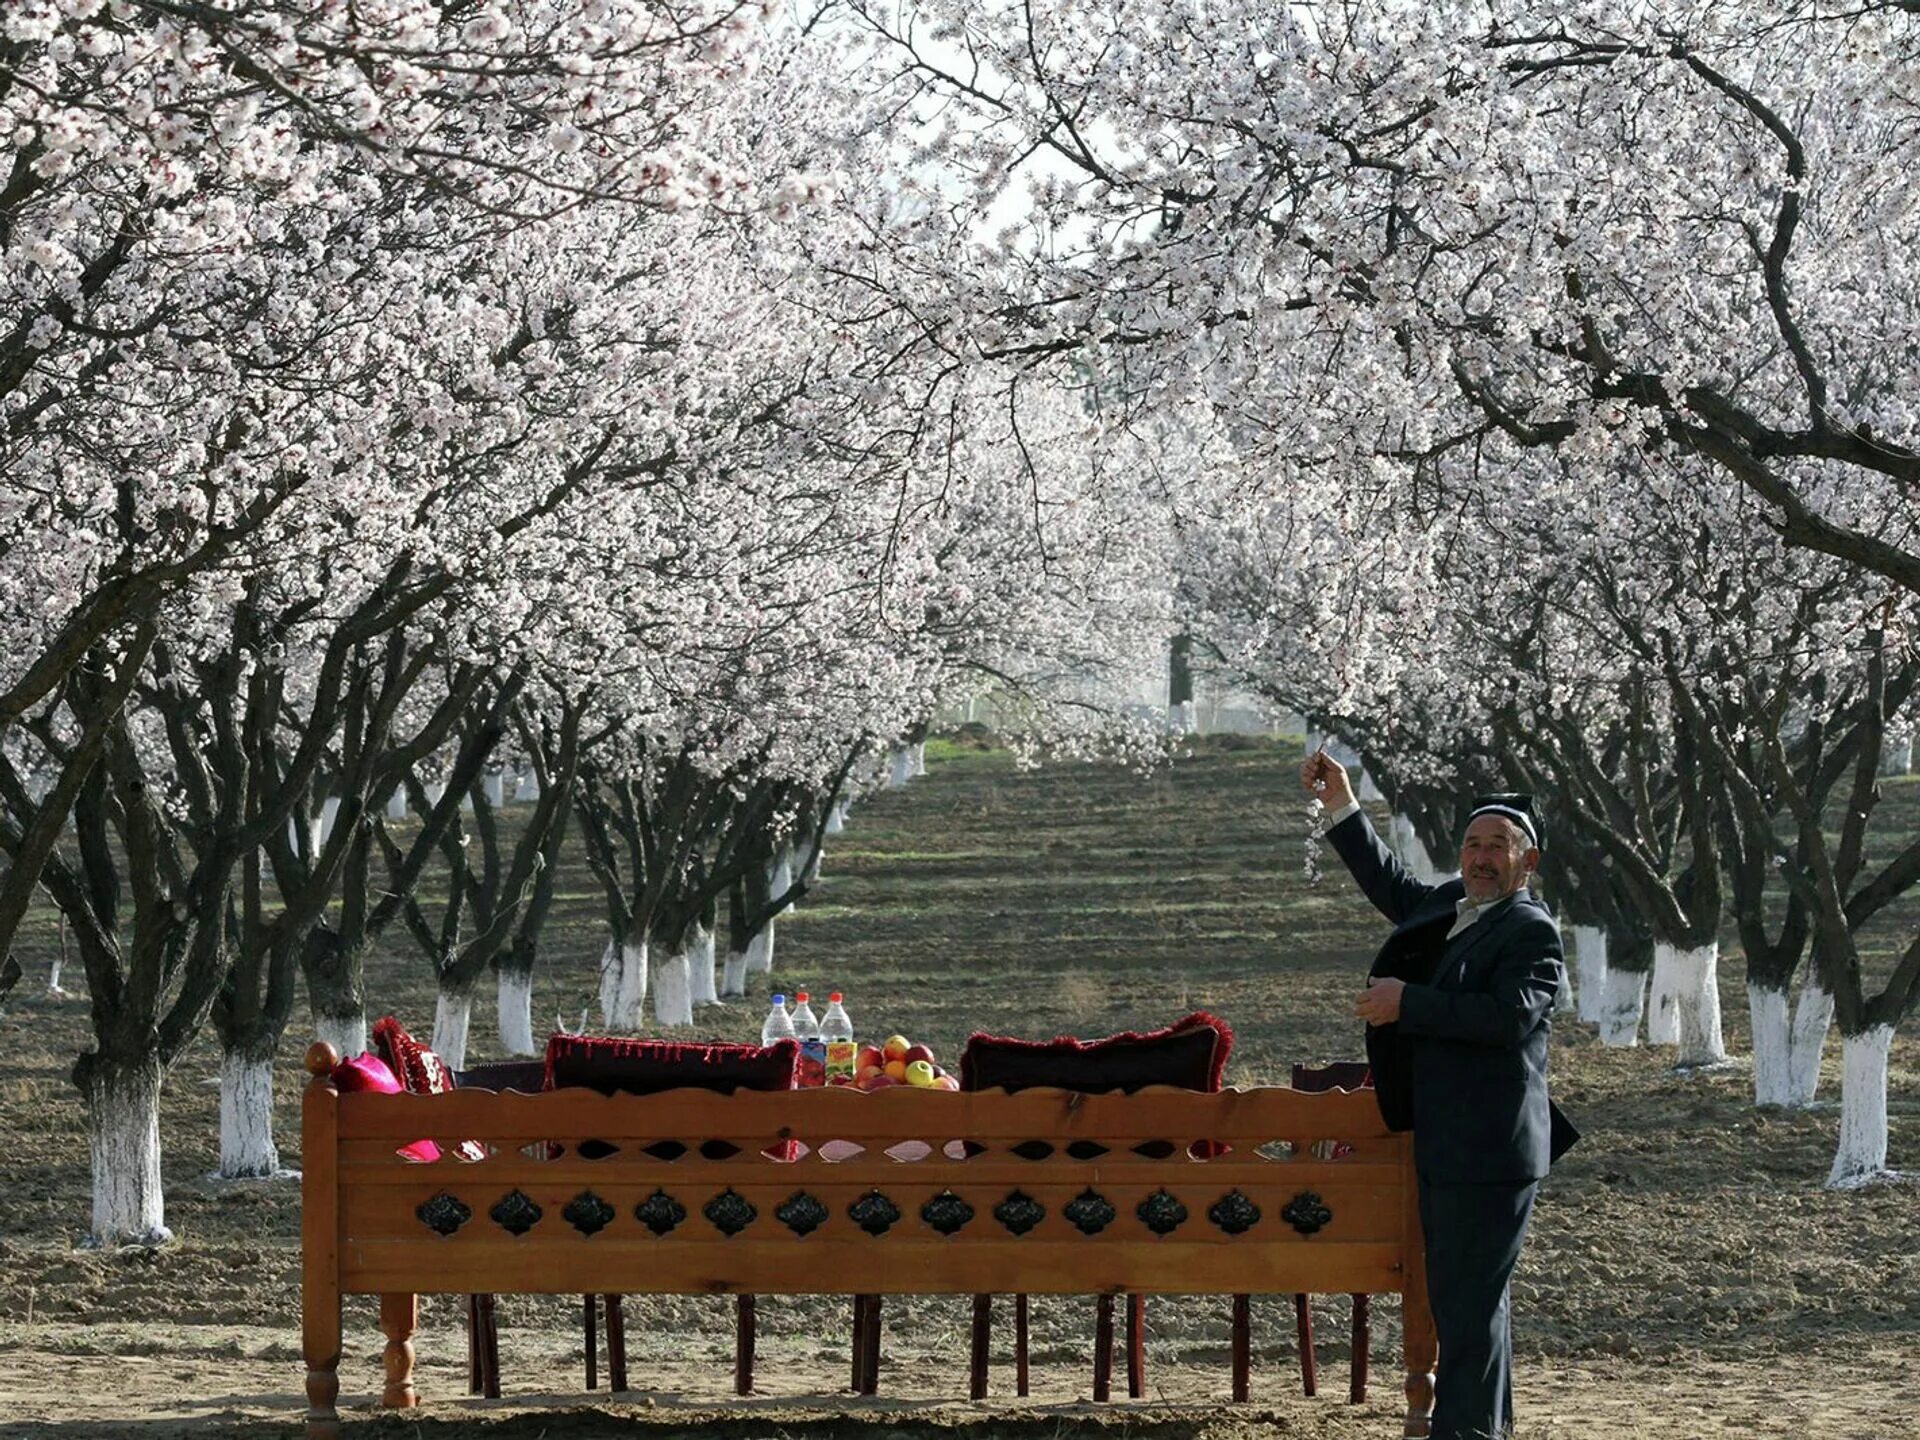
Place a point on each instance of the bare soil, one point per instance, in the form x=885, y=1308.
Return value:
x=1687, y=1276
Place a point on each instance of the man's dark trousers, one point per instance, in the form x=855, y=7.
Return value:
x=1474, y=1233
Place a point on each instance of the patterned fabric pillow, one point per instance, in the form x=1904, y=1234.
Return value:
x=420, y=1070
x=620, y=1065
x=369, y=1074
x=1191, y=1053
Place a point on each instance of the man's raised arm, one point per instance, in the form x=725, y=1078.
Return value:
x=1375, y=868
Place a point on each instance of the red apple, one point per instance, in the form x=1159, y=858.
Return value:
x=945, y=1082
x=868, y=1056
x=918, y=1052
x=897, y=1046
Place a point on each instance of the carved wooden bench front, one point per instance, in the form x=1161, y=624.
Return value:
x=838, y=1192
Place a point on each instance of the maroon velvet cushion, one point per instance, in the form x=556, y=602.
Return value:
x=369, y=1074
x=419, y=1070
x=616, y=1064
x=1190, y=1053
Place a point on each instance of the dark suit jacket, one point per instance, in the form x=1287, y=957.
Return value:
x=1465, y=1067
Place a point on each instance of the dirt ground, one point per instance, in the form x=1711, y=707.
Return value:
x=1687, y=1275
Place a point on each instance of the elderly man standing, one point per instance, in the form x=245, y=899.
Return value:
x=1457, y=1007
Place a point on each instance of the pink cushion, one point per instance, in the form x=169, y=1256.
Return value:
x=369, y=1074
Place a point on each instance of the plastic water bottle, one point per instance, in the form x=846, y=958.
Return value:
x=779, y=1025
x=837, y=1031
x=813, y=1048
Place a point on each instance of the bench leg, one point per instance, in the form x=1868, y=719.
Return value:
x=982, y=1337
x=1242, y=1347
x=399, y=1318
x=1362, y=1343
x=1136, y=1346
x=616, y=1344
x=320, y=1345
x=590, y=1323
x=1303, y=1331
x=489, y=1349
x=871, y=1380
x=474, y=1376
x=1020, y=1345
x=1103, y=1349
x=743, y=1345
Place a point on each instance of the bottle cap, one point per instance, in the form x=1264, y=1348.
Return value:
x=801, y=996
x=834, y=998
x=779, y=999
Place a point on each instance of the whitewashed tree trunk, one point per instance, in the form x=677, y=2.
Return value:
x=837, y=818
x=347, y=1034
x=917, y=758
x=452, y=1017
x=247, y=1151
x=1180, y=718
x=899, y=768
x=515, y=1011
x=673, y=988
x=397, y=804
x=123, y=1141
x=1563, y=993
x=527, y=788
x=733, y=985
x=53, y=975
x=780, y=873
x=1772, y=1045
x=1696, y=993
x=623, y=983
x=1365, y=791
x=1862, y=1153
x=1663, y=1000
x=494, y=787
x=1896, y=756
x=760, y=951
x=1622, y=997
x=1812, y=1017
x=1590, y=954
x=807, y=860
x=435, y=790
x=700, y=957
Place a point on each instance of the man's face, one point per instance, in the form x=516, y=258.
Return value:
x=1495, y=858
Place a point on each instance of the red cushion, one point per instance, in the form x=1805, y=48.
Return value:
x=371, y=1075
x=420, y=1070
x=618, y=1064
x=1191, y=1053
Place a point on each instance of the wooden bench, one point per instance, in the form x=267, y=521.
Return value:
x=917, y=1192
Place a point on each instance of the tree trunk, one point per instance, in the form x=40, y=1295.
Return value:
x=1622, y=997
x=452, y=1017
x=247, y=1151
x=700, y=957
x=780, y=874
x=1694, y=989
x=1812, y=1017
x=899, y=767
x=917, y=758
x=1772, y=1045
x=837, y=818
x=760, y=951
x=673, y=988
x=346, y=1032
x=1663, y=1000
x=515, y=1010
x=623, y=983
x=1590, y=954
x=495, y=788
x=733, y=985
x=1862, y=1154
x=123, y=1139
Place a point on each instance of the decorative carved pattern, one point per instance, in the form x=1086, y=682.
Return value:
x=730, y=1212
x=660, y=1212
x=874, y=1213
x=946, y=1212
x=588, y=1213
x=516, y=1213
x=1307, y=1212
x=801, y=1213
x=443, y=1214
x=1032, y=1149
x=1090, y=1212
x=1019, y=1212
x=1234, y=1213
x=1161, y=1213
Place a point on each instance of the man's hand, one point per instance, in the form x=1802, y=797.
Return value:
x=1337, y=791
x=1380, y=1004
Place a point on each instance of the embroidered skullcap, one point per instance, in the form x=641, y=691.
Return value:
x=1515, y=807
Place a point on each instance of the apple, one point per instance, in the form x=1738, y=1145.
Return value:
x=897, y=1069
x=896, y=1047
x=918, y=1052
x=882, y=1081
x=945, y=1082
x=920, y=1073
x=867, y=1072
x=868, y=1056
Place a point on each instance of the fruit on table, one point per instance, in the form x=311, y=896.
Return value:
x=918, y=1052
x=920, y=1073
x=868, y=1055
x=896, y=1068
x=896, y=1047
x=945, y=1082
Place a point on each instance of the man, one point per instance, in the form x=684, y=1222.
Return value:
x=1457, y=1006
